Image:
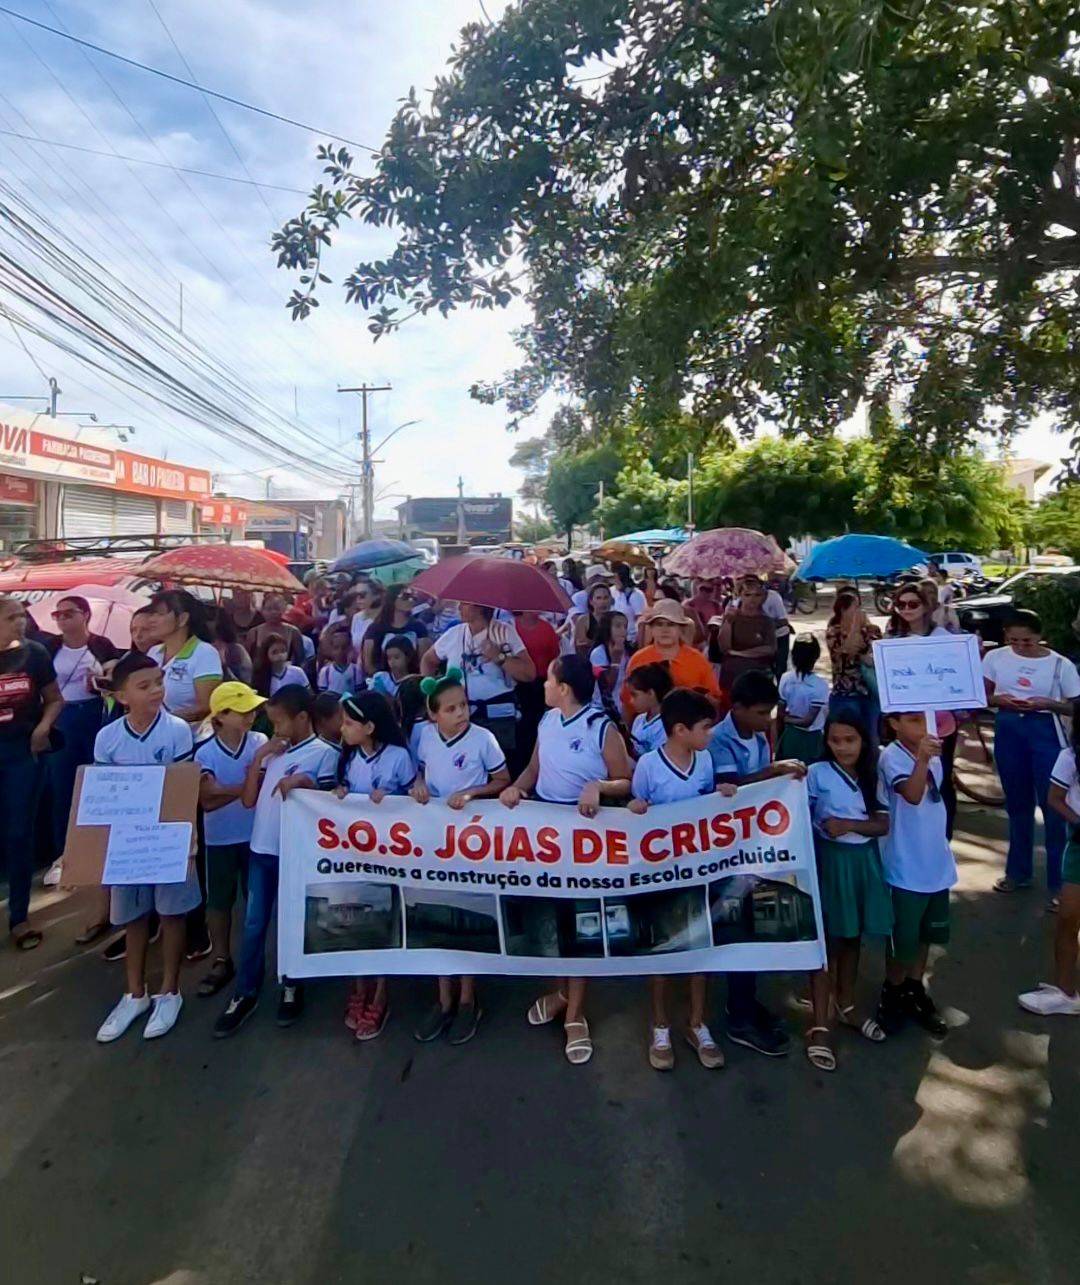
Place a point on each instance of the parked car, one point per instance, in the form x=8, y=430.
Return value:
x=956, y=563
x=985, y=614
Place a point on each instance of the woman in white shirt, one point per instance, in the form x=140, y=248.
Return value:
x=1030, y=687
x=191, y=662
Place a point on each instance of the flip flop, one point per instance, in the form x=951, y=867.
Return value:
x=820, y=1055
x=579, y=1048
x=29, y=940
x=546, y=1009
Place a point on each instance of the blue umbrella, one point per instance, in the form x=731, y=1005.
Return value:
x=858, y=555
x=373, y=553
x=657, y=535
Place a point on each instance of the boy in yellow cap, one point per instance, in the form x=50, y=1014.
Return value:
x=224, y=759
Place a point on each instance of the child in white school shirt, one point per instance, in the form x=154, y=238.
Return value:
x=680, y=769
x=146, y=735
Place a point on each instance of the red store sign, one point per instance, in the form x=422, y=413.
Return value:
x=147, y=476
x=17, y=490
x=223, y=513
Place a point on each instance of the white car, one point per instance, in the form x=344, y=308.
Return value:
x=956, y=563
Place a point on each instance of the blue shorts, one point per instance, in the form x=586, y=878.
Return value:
x=131, y=901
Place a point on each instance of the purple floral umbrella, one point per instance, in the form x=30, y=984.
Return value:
x=728, y=551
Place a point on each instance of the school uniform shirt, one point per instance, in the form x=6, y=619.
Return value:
x=484, y=679
x=658, y=780
x=168, y=739
x=414, y=740
x=389, y=769
x=1026, y=676
x=315, y=758
x=631, y=603
x=232, y=823
x=571, y=753
x=599, y=659
x=800, y=695
x=835, y=793
x=735, y=755
x=196, y=659
x=915, y=854
x=343, y=679
x=468, y=759
x=1065, y=774
x=385, y=683
x=647, y=733
x=290, y=675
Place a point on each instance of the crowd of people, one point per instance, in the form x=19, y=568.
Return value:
x=644, y=693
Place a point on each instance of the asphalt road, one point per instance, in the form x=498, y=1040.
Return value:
x=303, y=1158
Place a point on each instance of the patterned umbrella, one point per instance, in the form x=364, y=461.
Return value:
x=624, y=551
x=728, y=551
x=220, y=566
x=493, y=582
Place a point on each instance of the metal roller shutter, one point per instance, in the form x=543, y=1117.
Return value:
x=176, y=517
x=134, y=515
x=94, y=511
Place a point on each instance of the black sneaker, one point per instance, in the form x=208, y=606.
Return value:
x=291, y=1004
x=115, y=950
x=239, y=1010
x=466, y=1020
x=921, y=1008
x=434, y=1022
x=891, y=1013
x=760, y=1032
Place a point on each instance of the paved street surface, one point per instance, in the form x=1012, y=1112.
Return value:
x=299, y=1157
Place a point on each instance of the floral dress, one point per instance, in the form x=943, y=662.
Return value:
x=847, y=669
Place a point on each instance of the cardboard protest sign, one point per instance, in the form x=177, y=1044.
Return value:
x=707, y=885
x=117, y=799
x=939, y=672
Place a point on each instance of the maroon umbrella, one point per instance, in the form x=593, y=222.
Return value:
x=492, y=582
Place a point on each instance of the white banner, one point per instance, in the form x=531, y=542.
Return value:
x=710, y=885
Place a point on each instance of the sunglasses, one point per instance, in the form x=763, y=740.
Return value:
x=909, y=604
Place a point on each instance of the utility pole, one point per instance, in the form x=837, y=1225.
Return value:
x=367, y=467
x=462, y=527
x=690, y=493
x=600, y=500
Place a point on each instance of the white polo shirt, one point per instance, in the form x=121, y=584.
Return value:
x=484, y=679
x=468, y=759
x=647, y=733
x=571, y=753
x=833, y=793
x=1064, y=774
x=196, y=659
x=735, y=755
x=232, y=823
x=658, y=780
x=168, y=739
x=389, y=769
x=315, y=758
x=800, y=695
x=915, y=853
x=1026, y=676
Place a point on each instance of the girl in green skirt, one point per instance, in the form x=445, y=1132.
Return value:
x=804, y=698
x=848, y=821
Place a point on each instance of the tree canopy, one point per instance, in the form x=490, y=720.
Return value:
x=746, y=212
x=1055, y=523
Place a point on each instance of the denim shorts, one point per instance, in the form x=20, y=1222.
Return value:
x=131, y=901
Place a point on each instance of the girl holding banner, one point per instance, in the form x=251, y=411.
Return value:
x=580, y=759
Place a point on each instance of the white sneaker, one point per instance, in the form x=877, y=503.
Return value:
x=121, y=1017
x=166, y=1010
x=51, y=878
x=1049, y=1000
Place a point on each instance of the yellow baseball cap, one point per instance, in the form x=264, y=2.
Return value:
x=235, y=696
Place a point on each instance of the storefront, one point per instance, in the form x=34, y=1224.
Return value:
x=19, y=510
x=283, y=530
x=229, y=517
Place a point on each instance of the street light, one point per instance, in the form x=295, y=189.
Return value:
x=408, y=424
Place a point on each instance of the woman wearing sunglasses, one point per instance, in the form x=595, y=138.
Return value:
x=914, y=616
x=78, y=656
x=395, y=620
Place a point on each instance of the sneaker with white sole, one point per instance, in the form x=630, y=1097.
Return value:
x=129, y=1008
x=166, y=1010
x=1048, y=1001
x=51, y=877
x=661, y=1054
x=709, y=1053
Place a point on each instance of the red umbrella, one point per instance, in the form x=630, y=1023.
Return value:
x=221, y=566
x=492, y=582
x=28, y=577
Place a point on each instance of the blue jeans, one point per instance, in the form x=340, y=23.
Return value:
x=261, y=898
x=1025, y=748
x=20, y=778
x=80, y=724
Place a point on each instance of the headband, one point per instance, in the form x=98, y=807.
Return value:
x=432, y=687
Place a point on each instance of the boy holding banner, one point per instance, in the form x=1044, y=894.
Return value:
x=147, y=735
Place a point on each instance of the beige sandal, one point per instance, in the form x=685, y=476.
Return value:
x=820, y=1055
x=546, y=1009
x=579, y=1048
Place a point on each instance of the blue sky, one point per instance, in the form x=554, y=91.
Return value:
x=337, y=65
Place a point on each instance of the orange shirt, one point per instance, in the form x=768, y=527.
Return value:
x=689, y=669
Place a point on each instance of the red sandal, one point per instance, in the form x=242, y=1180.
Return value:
x=372, y=1021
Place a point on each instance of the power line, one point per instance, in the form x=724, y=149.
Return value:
x=189, y=84
x=161, y=165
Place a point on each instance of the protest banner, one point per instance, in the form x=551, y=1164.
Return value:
x=927, y=674
x=134, y=823
x=708, y=885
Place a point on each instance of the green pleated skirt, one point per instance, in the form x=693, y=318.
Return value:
x=798, y=743
x=855, y=899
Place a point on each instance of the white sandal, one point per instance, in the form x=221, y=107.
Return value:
x=546, y=1009
x=820, y=1055
x=579, y=1048
x=869, y=1028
